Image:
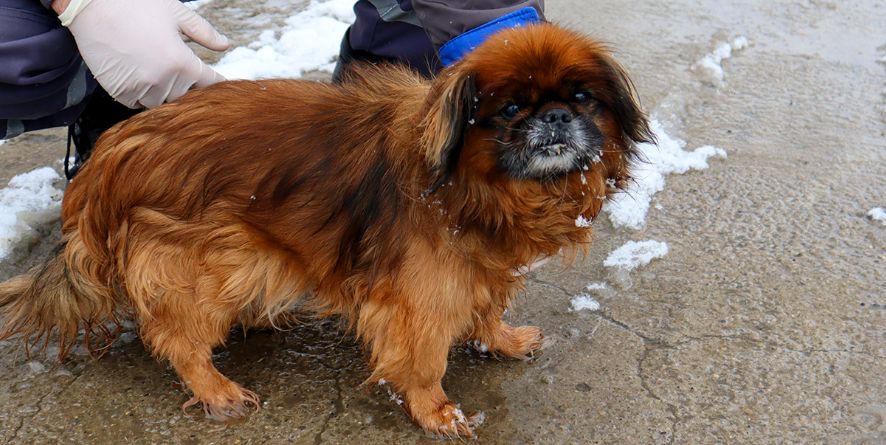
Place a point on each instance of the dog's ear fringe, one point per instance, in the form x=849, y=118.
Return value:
x=626, y=104
x=447, y=113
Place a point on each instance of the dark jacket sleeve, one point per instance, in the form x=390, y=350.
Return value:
x=41, y=71
x=445, y=19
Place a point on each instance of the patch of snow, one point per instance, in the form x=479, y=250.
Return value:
x=310, y=40
x=585, y=301
x=629, y=208
x=878, y=214
x=196, y=3
x=480, y=347
x=710, y=65
x=581, y=221
x=127, y=338
x=477, y=419
x=740, y=43
x=596, y=286
x=396, y=398
x=459, y=416
x=635, y=254
x=27, y=194
x=36, y=367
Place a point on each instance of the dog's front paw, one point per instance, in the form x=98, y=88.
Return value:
x=449, y=421
x=525, y=341
x=520, y=343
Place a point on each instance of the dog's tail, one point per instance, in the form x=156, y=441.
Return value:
x=65, y=294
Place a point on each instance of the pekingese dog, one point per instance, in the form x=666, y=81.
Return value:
x=408, y=207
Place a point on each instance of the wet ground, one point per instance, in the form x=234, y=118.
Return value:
x=766, y=322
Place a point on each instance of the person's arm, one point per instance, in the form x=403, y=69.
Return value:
x=134, y=47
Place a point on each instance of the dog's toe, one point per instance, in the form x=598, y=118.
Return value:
x=227, y=408
x=450, y=422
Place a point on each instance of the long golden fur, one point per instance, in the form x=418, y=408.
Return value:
x=404, y=205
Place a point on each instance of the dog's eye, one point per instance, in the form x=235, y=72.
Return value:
x=510, y=110
x=582, y=97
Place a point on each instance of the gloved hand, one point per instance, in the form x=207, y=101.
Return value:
x=134, y=48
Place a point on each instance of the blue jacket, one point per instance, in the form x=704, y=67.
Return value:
x=429, y=33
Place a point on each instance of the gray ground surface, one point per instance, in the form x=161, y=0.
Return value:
x=766, y=322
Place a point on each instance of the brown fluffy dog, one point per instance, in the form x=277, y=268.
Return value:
x=406, y=206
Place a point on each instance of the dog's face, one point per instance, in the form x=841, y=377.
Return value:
x=535, y=103
x=545, y=137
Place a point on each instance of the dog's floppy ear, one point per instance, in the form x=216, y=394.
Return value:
x=446, y=116
x=624, y=102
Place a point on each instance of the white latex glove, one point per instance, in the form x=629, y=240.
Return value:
x=134, y=48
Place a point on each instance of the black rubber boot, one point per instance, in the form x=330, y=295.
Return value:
x=101, y=113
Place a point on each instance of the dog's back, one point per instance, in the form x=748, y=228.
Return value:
x=200, y=185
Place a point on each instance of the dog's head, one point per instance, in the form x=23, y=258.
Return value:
x=533, y=104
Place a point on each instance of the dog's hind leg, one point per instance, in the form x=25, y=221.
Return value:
x=180, y=298
x=185, y=335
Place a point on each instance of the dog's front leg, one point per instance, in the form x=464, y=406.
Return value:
x=410, y=346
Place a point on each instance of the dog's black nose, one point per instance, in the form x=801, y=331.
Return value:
x=557, y=115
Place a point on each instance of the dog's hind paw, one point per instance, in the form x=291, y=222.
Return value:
x=227, y=408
